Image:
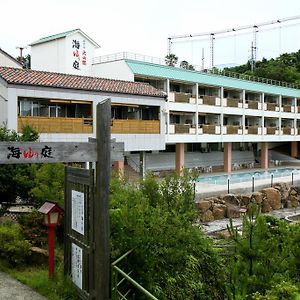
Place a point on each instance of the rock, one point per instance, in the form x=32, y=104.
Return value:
x=257, y=197
x=232, y=211
x=266, y=207
x=38, y=256
x=293, y=192
x=273, y=196
x=232, y=199
x=245, y=199
x=204, y=205
x=293, y=201
x=219, y=211
x=284, y=189
x=288, y=204
x=207, y=216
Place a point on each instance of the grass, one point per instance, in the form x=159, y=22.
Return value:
x=36, y=277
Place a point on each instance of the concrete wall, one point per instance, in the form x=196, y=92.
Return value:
x=3, y=104
x=113, y=70
x=6, y=61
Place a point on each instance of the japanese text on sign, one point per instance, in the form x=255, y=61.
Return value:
x=76, y=265
x=79, y=54
x=78, y=211
x=17, y=152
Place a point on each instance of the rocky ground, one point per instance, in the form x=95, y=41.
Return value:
x=281, y=195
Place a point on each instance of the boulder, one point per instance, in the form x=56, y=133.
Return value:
x=232, y=211
x=273, y=196
x=293, y=192
x=284, y=189
x=231, y=199
x=257, y=197
x=207, y=216
x=245, y=199
x=265, y=206
x=219, y=211
x=204, y=205
x=293, y=201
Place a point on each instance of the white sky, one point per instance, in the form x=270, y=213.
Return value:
x=142, y=26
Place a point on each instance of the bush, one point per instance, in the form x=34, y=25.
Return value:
x=13, y=247
x=172, y=258
x=33, y=229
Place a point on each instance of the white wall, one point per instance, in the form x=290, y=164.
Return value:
x=6, y=61
x=113, y=70
x=3, y=104
x=49, y=56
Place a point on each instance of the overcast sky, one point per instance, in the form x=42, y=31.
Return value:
x=143, y=27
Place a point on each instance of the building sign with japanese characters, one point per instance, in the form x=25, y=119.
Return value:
x=79, y=53
x=77, y=211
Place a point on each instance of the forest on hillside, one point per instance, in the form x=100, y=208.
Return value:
x=286, y=68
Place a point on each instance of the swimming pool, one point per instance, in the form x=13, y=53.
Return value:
x=247, y=176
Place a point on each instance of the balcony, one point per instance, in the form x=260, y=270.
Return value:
x=272, y=130
x=210, y=100
x=135, y=126
x=232, y=102
x=272, y=106
x=232, y=129
x=251, y=104
x=288, y=130
x=209, y=129
x=253, y=130
x=57, y=125
x=288, y=108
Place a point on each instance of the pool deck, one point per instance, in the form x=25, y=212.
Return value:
x=204, y=190
x=219, y=225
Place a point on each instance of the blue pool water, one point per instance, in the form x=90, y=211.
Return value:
x=247, y=176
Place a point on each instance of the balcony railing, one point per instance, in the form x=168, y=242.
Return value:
x=182, y=97
x=135, y=126
x=57, y=125
x=209, y=129
x=272, y=106
x=288, y=130
x=210, y=100
x=232, y=129
x=272, y=130
x=252, y=129
x=287, y=108
x=252, y=104
x=231, y=102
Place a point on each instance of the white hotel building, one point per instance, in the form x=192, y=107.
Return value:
x=202, y=112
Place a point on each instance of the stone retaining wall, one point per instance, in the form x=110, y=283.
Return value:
x=281, y=195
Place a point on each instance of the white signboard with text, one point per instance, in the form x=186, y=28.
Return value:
x=78, y=211
x=76, y=265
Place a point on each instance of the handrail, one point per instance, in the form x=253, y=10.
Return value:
x=127, y=277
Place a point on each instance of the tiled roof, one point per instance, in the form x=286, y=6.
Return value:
x=59, y=80
x=62, y=35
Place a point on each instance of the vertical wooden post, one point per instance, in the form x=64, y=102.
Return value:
x=101, y=238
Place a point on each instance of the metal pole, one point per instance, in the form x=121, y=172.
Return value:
x=272, y=176
x=51, y=254
x=228, y=185
x=101, y=238
x=292, y=178
x=252, y=183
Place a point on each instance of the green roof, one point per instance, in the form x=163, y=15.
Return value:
x=179, y=74
x=62, y=35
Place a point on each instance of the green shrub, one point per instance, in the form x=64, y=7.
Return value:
x=33, y=229
x=13, y=247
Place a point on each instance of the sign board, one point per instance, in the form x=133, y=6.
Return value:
x=53, y=152
x=76, y=265
x=78, y=211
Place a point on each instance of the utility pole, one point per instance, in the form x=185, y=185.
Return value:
x=202, y=66
x=212, y=40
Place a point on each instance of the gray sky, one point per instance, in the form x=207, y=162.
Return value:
x=142, y=26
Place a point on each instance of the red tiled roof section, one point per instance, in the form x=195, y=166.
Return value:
x=59, y=80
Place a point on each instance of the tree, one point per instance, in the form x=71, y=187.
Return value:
x=26, y=61
x=171, y=60
x=185, y=65
x=17, y=180
x=172, y=258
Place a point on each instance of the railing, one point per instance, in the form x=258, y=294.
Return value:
x=123, y=288
x=209, y=100
x=210, y=129
x=271, y=130
x=252, y=104
x=286, y=130
x=287, y=108
x=135, y=126
x=215, y=71
x=57, y=125
x=271, y=106
x=231, y=102
x=233, y=129
x=182, y=97
x=252, y=129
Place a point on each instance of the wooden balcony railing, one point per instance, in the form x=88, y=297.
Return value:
x=210, y=129
x=271, y=130
x=231, y=102
x=135, y=126
x=182, y=97
x=57, y=125
x=287, y=108
x=209, y=100
x=271, y=106
x=182, y=128
x=252, y=129
x=252, y=104
x=233, y=129
x=287, y=130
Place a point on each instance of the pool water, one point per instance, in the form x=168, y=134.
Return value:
x=247, y=176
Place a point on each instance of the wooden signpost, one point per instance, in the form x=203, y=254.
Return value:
x=86, y=200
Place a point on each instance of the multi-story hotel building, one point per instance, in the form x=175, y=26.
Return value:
x=203, y=111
